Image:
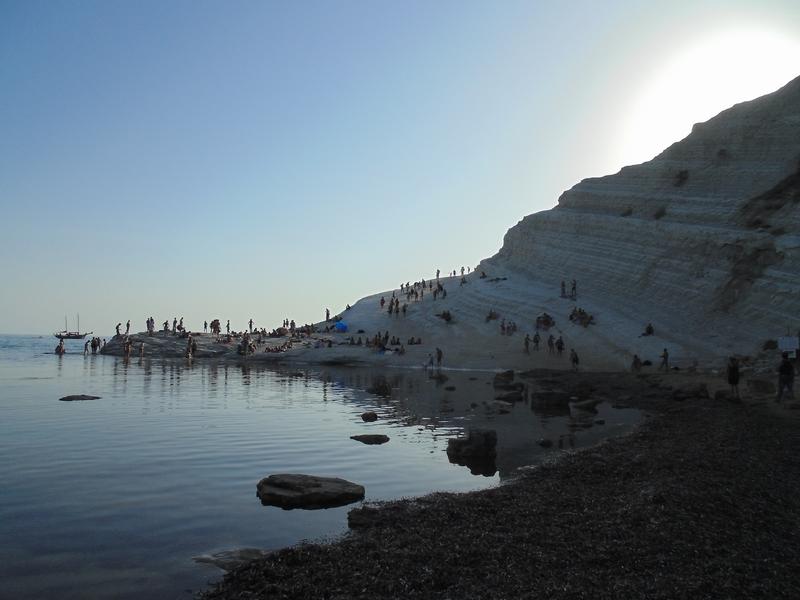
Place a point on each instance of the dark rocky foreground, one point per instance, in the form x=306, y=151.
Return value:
x=702, y=501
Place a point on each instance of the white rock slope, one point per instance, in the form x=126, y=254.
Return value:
x=703, y=240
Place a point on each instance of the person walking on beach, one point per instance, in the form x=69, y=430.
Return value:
x=86, y=348
x=527, y=344
x=573, y=356
x=551, y=344
x=536, y=340
x=785, y=378
x=429, y=365
x=439, y=355
x=563, y=289
x=732, y=372
x=664, y=361
x=560, y=345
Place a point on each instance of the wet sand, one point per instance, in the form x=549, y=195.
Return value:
x=699, y=502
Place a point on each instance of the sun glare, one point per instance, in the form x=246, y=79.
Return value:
x=702, y=80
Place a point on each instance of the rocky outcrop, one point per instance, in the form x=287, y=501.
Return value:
x=477, y=451
x=371, y=439
x=307, y=491
x=703, y=238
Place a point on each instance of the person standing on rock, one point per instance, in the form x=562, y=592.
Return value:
x=664, y=361
x=128, y=327
x=228, y=327
x=327, y=314
x=117, y=328
x=205, y=326
x=174, y=325
x=732, y=372
x=785, y=378
x=250, y=323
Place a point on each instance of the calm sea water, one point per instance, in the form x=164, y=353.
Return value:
x=113, y=498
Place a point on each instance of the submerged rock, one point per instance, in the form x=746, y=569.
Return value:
x=227, y=560
x=380, y=387
x=289, y=490
x=76, y=397
x=370, y=439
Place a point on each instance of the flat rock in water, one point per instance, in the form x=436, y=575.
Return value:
x=228, y=560
x=76, y=397
x=289, y=490
x=370, y=439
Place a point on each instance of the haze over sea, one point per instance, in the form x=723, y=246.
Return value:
x=113, y=497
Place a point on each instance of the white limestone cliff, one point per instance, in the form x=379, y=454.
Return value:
x=703, y=241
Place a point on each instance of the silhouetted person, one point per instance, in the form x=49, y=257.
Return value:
x=664, y=361
x=785, y=378
x=733, y=376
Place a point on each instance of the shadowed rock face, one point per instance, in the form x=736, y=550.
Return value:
x=704, y=237
x=307, y=491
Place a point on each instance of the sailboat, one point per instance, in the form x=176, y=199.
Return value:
x=72, y=335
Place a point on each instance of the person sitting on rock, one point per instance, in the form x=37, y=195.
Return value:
x=649, y=330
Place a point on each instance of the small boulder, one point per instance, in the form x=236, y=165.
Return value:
x=514, y=396
x=545, y=443
x=450, y=388
x=290, y=490
x=370, y=439
x=477, y=451
x=369, y=416
x=77, y=397
x=587, y=405
x=505, y=377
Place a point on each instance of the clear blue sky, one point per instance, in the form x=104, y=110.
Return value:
x=269, y=159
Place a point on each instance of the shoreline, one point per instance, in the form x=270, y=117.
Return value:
x=696, y=501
